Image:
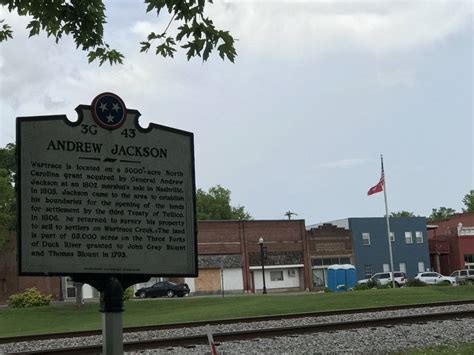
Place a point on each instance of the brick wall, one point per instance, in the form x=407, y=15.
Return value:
x=11, y=283
x=283, y=239
x=329, y=240
x=446, y=234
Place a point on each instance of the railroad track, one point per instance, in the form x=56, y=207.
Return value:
x=77, y=334
x=192, y=340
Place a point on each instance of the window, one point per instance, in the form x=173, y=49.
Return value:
x=276, y=275
x=403, y=267
x=419, y=237
x=382, y=275
x=421, y=266
x=368, y=270
x=408, y=238
x=469, y=261
x=330, y=261
x=292, y=273
x=3, y=285
x=392, y=236
x=365, y=239
x=317, y=262
x=344, y=260
x=386, y=268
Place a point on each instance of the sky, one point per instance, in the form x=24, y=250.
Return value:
x=318, y=91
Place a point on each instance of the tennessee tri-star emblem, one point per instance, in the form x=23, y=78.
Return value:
x=108, y=110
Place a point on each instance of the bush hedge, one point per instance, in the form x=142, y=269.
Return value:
x=415, y=283
x=127, y=294
x=31, y=297
x=443, y=283
x=360, y=287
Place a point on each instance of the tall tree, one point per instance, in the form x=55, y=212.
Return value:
x=215, y=205
x=402, y=214
x=84, y=22
x=441, y=214
x=7, y=193
x=468, y=201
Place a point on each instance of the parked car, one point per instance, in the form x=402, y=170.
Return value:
x=163, y=288
x=464, y=275
x=384, y=278
x=433, y=278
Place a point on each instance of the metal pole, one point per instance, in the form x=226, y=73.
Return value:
x=222, y=277
x=112, y=333
x=263, y=265
x=388, y=223
x=111, y=304
x=61, y=291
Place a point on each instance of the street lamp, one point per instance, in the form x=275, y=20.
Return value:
x=260, y=241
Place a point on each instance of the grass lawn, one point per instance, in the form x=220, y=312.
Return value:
x=68, y=317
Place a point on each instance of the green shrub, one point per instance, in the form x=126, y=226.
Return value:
x=443, y=283
x=327, y=289
x=415, y=283
x=360, y=287
x=31, y=297
x=371, y=283
x=127, y=294
x=383, y=287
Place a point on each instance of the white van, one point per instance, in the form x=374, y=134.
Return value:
x=464, y=275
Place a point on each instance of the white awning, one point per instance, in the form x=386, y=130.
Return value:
x=294, y=266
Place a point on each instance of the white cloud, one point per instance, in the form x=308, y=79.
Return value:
x=300, y=28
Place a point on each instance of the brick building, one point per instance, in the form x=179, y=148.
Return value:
x=11, y=283
x=451, y=243
x=327, y=245
x=229, y=256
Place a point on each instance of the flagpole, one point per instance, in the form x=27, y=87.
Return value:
x=388, y=221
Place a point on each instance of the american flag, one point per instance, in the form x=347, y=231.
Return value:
x=379, y=186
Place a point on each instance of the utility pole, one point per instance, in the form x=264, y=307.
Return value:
x=289, y=214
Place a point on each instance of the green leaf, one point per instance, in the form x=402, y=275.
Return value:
x=5, y=32
x=84, y=22
x=145, y=46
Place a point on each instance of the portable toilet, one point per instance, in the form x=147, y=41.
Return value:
x=341, y=277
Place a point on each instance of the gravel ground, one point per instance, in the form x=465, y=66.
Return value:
x=370, y=340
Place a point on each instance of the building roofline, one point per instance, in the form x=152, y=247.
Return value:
x=252, y=220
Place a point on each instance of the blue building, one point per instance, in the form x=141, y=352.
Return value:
x=409, y=240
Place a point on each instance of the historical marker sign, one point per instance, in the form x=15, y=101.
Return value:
x=105, y=196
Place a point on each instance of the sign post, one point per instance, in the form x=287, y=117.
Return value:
x=105, y=201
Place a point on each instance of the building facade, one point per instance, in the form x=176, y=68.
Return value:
x=230, y=258
x=295, y=257
x=370, y=249
x=451, y=243
x=409, y=241
x=328, y=244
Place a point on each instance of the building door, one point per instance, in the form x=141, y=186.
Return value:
x=319, y=278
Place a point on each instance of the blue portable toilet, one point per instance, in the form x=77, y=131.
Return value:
x=341, y=277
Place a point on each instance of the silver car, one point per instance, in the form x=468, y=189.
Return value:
x=385, y=278
x=433, y=278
